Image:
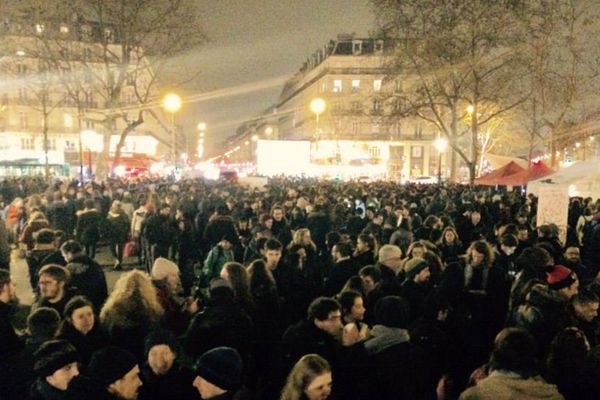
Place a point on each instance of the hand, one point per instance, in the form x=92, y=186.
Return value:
x=350, y=335
x=191, y=306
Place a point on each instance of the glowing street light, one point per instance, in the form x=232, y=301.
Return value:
x=441, y=144
x=268, y=131
x=470, y=109
x=318, y=106
x=255, y=138
x=201, y=126
x=172, y=104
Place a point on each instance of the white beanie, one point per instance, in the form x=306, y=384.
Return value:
x=163, y=267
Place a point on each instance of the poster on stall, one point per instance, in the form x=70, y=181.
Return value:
x=553, y=207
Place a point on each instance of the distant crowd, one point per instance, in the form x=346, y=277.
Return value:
x=301, y=289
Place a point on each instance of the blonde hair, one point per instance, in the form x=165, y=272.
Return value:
x=297, y=239
x=133, y=295
x=304, y=372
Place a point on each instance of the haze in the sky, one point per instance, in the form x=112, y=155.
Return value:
x=255, y=45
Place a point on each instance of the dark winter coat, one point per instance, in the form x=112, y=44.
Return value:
x=339, y=274
x=61, y=217
x=87, y=276
x=41, y=390
x=223, y=323
x=219, y=227
x=88, y=226
x=319, y=224
x=118, y=227
x=86, y=345
x=59, y=306
x=177, y=384
x=305, y=338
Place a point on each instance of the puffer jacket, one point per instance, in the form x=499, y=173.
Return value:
x=508, y=386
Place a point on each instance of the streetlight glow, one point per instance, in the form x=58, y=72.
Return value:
x=268, y=131
x=254, y=138
x=172, y=103
x=441, y=144
x=470, y=108
x=318, y=106
x=201, y=126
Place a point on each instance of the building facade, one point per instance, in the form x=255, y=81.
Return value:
x=360, y=123
x=51, y=98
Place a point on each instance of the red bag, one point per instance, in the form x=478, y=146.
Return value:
x=131, y=249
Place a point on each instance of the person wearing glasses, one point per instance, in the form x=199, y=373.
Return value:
x=54, y=292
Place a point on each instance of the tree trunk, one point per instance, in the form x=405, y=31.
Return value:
x=130, y=128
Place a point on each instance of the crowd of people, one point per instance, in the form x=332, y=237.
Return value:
x=301, y=289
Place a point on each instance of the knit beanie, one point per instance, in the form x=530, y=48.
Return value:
x=414, y=266
x=159, y=337
x=110, y=364
x=163, y=267
x=392, y=311
x=52, y=356
x=560, y=277
x=221, y=366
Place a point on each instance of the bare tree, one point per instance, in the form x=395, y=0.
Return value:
x=116, y=53
x=454, y=56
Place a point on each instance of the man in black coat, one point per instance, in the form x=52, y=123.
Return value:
x=221, y=323
x=10, y=344
x=54, y=292
x=44, y=252
x=319, y=224
x=56, y=365
x=160, y=232
x=88, y=227
x=86, y=274
x=219, y=226
x=343, y=268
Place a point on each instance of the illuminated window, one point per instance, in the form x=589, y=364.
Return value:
x=376, y=105
x=355, y=127
x=377, y=85
x=68, y=120
x=355, y=85
x=108, y=35
x=356, y=105
x=337, y=85
x=39, y=28
x=69, y=145
x=64, y=29
x=26, y=143
x=20, y=52
x=21, y=69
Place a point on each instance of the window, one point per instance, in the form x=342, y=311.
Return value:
x=69, y=145
x=68, y=120
x=51, y=144
x=356, y=105
x=377, y=85
x=357, y=47
x=337, y=85
x=86, y=32
x=22, y=94
x=27, y=144
x=64, y=29
x=21, y=69
x=323, y=87
x=89, y=124
x=87, y=53
x=355, y=127
x=376, y=128
x=355, y=85
x=376, y=105
x=379, y=46
x=21, y=52
x=108, y=35
x=374, y=152
x=39, y=29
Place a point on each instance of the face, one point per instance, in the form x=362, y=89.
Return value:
x=368, y=283
x=357, y=312
x=319, y=388
x=269, y=223
x=83, y=319
x=586, y=311
x=477, y=258
x=333, y=323
x=272, y=258
x=572, y=254
x=127, y=387
x=417, y=252
x=523, y=235
x=206, y=389
x=49, y=287
x=61, y=378
x=570, y=291
x=160, y=359
x=306, y=239
x=361, y=246
x=7, y=292
x=449, y=236
x=277, y=215
x=224, y=274
x=225, y=244
x=423, y=276
x=475, y=218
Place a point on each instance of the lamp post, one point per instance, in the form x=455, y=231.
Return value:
x=440, y=144
x=317, y=107
x=172, y=104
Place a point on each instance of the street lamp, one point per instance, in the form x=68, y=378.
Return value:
x=318, y=106
x=440, y=144
x=268, y=131
x=172, y=104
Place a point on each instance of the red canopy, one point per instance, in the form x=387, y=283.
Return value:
x=536, y=171
x=493, y=177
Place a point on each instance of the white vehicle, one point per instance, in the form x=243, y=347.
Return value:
x=423, y=179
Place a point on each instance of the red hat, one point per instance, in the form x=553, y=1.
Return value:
x=560, y=277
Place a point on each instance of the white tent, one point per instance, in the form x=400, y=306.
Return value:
x=583, y=179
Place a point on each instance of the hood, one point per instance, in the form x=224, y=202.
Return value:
x=504, y=385
x=383, y=337
x=79, y=265
x=541, y=295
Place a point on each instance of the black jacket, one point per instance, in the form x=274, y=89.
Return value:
x=177, y=384
x=87, y=276
x=340, y=272
x=86, y=345
x=88, y=223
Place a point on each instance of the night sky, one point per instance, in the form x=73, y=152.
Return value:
x=260, y=43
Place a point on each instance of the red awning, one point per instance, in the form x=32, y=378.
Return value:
x=493, y=177
x=536, y=171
